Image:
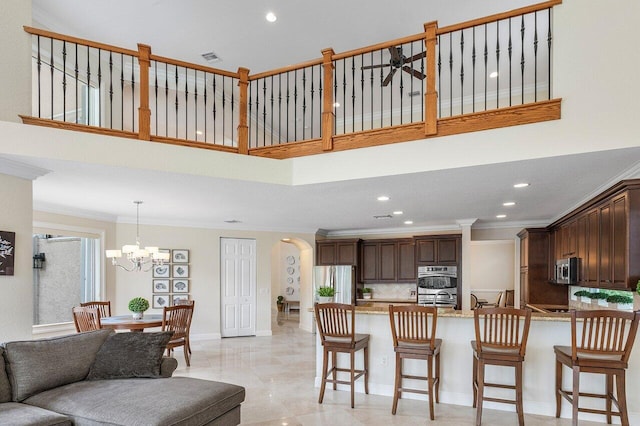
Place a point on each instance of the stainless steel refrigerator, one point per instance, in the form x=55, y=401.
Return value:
x=341, y=277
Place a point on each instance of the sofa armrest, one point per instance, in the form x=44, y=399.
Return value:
x=168, y=366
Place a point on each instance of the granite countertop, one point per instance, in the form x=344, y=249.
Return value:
x=452, y=313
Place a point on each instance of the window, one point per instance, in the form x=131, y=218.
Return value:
x=68, y=275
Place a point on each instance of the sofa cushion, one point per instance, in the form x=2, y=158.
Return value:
x=5, y=386
x=37, y=365
x=126, y=355
x=135, y=402
x=14, y=413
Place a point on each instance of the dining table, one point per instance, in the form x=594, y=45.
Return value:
x=126, y=322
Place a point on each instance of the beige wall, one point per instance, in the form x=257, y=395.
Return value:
x=16, y=303
x=204, y=270
x=15, y=84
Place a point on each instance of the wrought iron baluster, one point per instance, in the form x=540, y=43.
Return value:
x=195, y=101
x=76, y=75
x=344, y=95
x=439, y=76
x=233, y=127
x=111, y=90
x=411, y=86
x=320, y=77
x=353, y=94
x=287, y=102
x=450, y=74
x=498, y=64
x=422, y=70
x=549, y=53
x=486, y=57
x=295, y=105
x=204, y=111
x=335, y=95
x=535, y=57
x=176, y=99
x=121, y=91
x=186, y=103
x=224, y=109
x=166, y=99
x=39, y=68
x=371, y=89
x=361, y=92
x=304, y=102
x=249, y=120
x=510, y=48
x=311, y=116
x=381, y=92
x=51, y=83
x=264, y=111
x=155, y=92
x=280, y=108
x=522, y=60
x=391, y=102
x=99, y=86
x=401, y=93
x=473, y=72
x=213, y=111
x=88, y=115
x=64, y=80
x=271, y=112
x=461, y=71
x=133, y=96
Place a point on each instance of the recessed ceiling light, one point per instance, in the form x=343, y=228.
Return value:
x=501, y=216
x=493, y=74
x=521, y=185
x=285, y=240
x=198, y=132
x=509, y=203
x=336, y=104
x=408, y=222
x=271, y=17
x=398, y=212
x=383, y=198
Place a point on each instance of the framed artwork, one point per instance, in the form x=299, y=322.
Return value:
x=161, y=271
x=180, y=256
x=180, y=271
x=7, y=250
x=160, y=301
x=177, y=297
x=180, y=286
x=161, y=286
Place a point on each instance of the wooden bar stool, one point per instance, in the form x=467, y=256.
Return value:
x=501, y=339
x=600, y=344
x=336, y=323
x=413, y=329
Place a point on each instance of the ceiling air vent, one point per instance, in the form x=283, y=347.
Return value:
x=233, y=221
x=211, y=57
x=383, y=216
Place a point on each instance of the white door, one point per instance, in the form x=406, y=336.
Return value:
x=238, y=287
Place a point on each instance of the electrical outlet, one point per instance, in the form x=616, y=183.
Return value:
x=384, y=361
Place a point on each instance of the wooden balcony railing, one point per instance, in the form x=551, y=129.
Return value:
x=482, y=74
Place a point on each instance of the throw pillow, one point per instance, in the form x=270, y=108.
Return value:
x=35, y=366
x=125, y=355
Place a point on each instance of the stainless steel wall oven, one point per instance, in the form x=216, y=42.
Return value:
x=438, y=286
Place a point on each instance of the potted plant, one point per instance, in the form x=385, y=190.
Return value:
x=279, y=303
x=624, y=302
x=138, y=305
x=367, y=293
x=325, y=294
x=600, y=298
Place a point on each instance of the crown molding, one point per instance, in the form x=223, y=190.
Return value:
x=21, y=170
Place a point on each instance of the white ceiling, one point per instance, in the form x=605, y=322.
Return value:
x=237, y=32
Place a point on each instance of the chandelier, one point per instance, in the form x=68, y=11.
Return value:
x=137, y=257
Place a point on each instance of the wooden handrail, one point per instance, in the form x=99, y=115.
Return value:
x=431, y=95
x=499, y=16
x=192, y=66
x=286, y=69
x=378, y=46
x=84, y=42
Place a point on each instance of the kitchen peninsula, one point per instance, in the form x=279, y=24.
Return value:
x=456, y=329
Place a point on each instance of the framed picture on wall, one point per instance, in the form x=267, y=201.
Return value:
x=161, y=271
x=180, y=286
x=7, y=249
x=177, y=297
x=180, y=256
x=180, y=271
x=160, y=301
x=161, y=286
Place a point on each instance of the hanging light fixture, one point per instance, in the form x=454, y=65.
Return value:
x=137, y=257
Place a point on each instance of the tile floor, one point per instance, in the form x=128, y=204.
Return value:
x=278, y=374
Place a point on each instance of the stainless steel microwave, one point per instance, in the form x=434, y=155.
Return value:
x=567, y=270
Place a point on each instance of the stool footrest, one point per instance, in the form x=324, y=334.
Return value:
x=505, y=401
x=499, y=385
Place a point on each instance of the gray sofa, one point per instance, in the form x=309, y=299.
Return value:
x=107, y=378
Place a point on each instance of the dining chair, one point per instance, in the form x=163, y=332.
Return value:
x=501, y=340
x=177, y=318
x=600, y=343
x=494, y=305
x=103, y=307
x=191, y=303
x=509, y=300
x=86, y=318
x=336, y=323
x=413, y=329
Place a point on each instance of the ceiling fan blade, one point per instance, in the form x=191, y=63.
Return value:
x=387, y=80
x=368, y=67
x=415, y=57
x=396, y=54
x=415, y=73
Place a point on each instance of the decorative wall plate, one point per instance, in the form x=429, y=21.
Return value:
x=290, y=270
x=291, y=260
x=290, y=280
x=289, y=291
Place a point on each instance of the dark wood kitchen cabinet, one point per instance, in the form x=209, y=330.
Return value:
x=387, y=261
x=607, y=230
x=535, y=287
x=337, y=252
x=438, y=250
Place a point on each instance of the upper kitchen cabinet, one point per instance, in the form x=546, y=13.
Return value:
x=337, y=252
x=387, y=261
x=604, y=234
x=438, y=250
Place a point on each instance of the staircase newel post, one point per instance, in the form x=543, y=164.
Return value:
x=144, y=113
x=328, y=116
x=431, y=95
x=243, y=128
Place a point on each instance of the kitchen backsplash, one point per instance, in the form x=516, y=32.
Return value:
x=393, y=291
